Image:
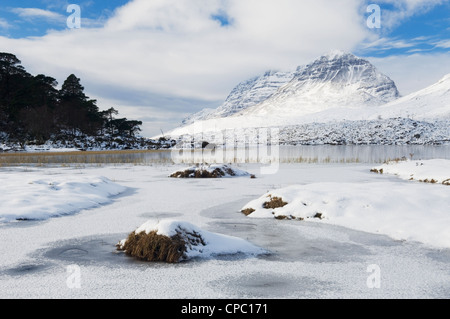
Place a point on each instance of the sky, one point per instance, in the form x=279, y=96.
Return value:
x=159, y=61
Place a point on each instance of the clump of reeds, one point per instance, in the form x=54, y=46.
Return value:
x=247, y=211
x=429, y=181
x=274, y=202
x=377, y=171
x=204, y=173
x=154, y=247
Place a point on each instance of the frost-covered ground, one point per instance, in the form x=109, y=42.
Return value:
x=31, y=196
x=308, y=259
x=318, y=130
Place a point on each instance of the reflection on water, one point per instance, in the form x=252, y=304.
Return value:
x=312, y=154
x=281, y=154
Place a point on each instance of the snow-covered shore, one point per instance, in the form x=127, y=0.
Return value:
x=403, y=212
x=435, y=171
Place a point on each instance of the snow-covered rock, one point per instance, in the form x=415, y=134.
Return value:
x=209, y=171
x=198, y=242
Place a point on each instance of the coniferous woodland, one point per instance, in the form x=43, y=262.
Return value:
x=34, y=111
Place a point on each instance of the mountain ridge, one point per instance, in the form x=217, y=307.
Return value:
x=330, y=73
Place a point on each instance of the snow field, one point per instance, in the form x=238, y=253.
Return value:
x=31, y=196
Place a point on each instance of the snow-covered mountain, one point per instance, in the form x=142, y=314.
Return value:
x=337, y=94
x=335, y=80
x=246, y=94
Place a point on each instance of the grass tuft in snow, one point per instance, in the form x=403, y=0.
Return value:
x=208, y=171
x=152, y=247
x=247, y=211
x=174, y=241
x=275, y=202
x=435, y=171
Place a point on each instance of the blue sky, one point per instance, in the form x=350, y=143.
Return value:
x=427, y=30
x=161, y=60
x=18, y=22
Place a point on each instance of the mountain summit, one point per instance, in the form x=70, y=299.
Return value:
x=335, y=80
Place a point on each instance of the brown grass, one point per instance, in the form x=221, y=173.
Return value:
x=275, y=202
x=155, y=248
x=397, y=160
x=377, y=171
x=248, y=211
x=429, y=181
x=202, y=173
x=446, y=182
x=89, y=157
x=318, y=215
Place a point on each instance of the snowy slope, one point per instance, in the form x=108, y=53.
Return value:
x=430, y=103
x=246, y=94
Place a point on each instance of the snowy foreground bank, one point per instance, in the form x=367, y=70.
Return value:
x=403, y=212
x=31, y=196
x=399, y=210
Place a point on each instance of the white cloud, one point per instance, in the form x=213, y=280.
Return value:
x=175, y=49
x=445, y=44
x=386, y=44
x=404, y=9
x=4, y=24
x=32, y=13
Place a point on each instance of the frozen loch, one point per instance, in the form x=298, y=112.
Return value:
x=378, y=235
